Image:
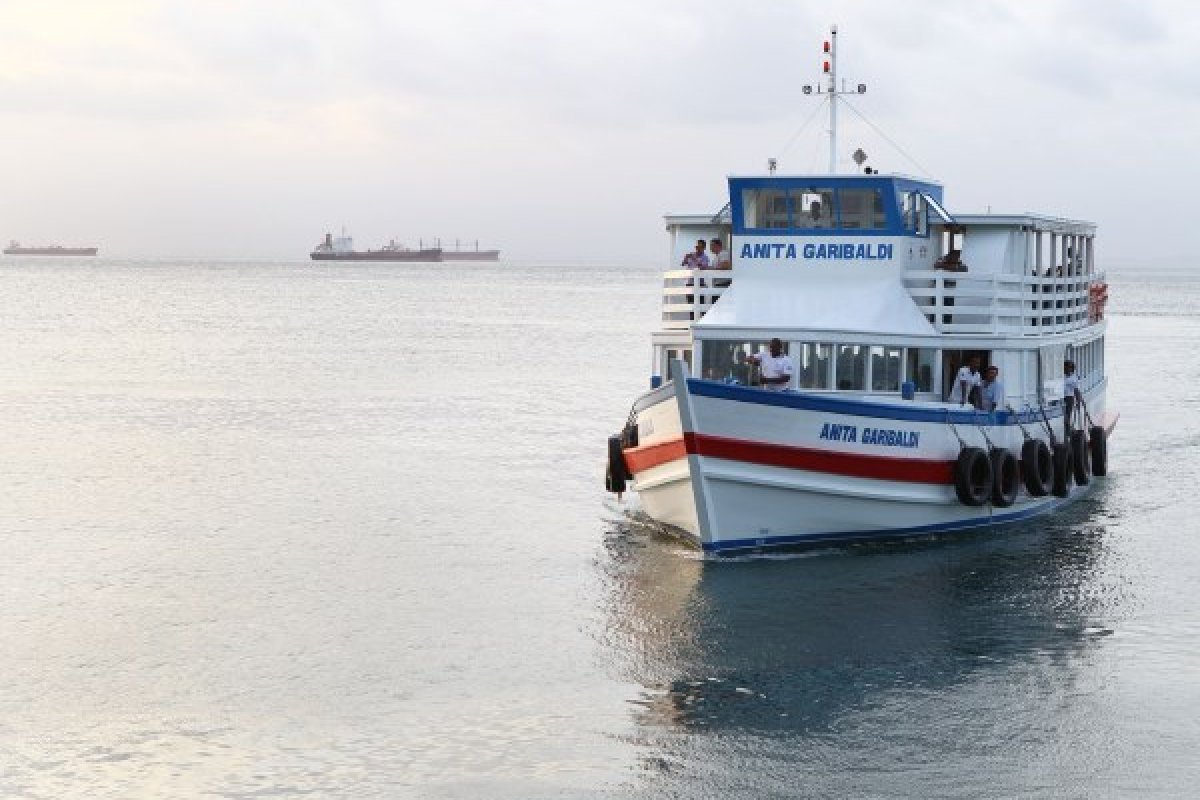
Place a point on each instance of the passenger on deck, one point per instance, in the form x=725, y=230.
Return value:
x=966, y=380
x=697, y=259
x=719, y=258
x=775, y=367
x=1071, y=395
x=992, y=390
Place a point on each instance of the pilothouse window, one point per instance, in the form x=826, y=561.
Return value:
x=861, y=209
x=765, y=208
x=812, y=208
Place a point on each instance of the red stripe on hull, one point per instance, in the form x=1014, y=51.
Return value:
x=639, y=459
x=857, y=465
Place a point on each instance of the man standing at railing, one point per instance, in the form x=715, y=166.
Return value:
x=966, y=380
x=719, y=260
x=697, y=259
x=775, y=368
x=1072, y=397
x=993, y=389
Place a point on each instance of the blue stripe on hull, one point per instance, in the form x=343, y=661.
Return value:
x=849, y=537
x=862, y=408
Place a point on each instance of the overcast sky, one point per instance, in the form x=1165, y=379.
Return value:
x=562, y=131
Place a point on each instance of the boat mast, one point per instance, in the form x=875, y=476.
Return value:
x=831, y=88
x=831, y=69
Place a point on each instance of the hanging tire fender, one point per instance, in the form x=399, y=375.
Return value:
x=1037, y=468
x=1005, y=480
x=973, y=476
x=1098, y=443
x=1079, y=458
x=617, y=472
x=1062, y=469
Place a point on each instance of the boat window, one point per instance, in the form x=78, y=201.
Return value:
x=885, y=369
x=1050, y=367
x=850, y=367
x=764, y=208
x=920, y=367
x=915, y=213
x=811, y=208
x=725, y=360
x=813, y=363
x=861, y=209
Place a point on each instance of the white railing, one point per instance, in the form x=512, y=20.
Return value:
x=964, y=302
x=688, y=294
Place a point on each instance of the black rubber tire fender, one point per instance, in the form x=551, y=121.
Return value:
x=1005, y=480
x=973, y=476
x=1062, y=469
x=1079, y=458
x=1099, y=447
x=616, y=472
x=1037, y=467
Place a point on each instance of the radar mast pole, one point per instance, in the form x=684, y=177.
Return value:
x=833, y=100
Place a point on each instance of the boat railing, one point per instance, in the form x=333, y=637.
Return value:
x=1031, y=305
x=688, y=294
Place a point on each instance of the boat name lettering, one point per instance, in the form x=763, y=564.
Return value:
x=818, y=252
x=882, y=437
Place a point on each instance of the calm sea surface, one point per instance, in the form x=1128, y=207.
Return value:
x=276, y=530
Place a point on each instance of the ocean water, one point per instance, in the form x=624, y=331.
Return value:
x=339, y=531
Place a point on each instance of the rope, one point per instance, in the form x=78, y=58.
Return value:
x=1017, y=418
x=807, y=122
x=986, y=438
x=1049, y=430
x=954, y=430
x=875, y=128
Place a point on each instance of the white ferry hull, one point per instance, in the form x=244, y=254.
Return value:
x=736, y=468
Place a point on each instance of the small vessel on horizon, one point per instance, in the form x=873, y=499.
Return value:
x=341, y=248
x=15, y=249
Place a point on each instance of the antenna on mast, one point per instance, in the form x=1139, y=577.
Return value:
x=829, y=66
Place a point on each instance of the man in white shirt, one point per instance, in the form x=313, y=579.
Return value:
x=993, y=389
x=719, y=259
x=718, y=256
x=966, y=380
x=1071, y=394
x=775, y=368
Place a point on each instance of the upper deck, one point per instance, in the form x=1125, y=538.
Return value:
x=828, y=241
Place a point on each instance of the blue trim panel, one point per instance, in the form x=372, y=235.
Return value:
x=877, y=535
x=844, y=405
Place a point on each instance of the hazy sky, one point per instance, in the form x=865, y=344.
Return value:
x=562, y=131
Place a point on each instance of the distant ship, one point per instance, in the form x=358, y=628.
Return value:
x=15, y=249
x=342, y=249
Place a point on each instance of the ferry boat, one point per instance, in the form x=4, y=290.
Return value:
x=16, y=249
x=879, y=294
x=341, y=248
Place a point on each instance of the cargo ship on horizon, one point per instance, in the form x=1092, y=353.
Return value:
x=342, y=249
x=15, y=249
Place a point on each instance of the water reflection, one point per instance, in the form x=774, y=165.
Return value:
x=794, y=645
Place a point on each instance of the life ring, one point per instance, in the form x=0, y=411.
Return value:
x=1037, y=468
x=1004, y=478
x=973, y=476
x=1062, y=469
x=617, y=472
x=1098, y=441
x=1079, y=458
